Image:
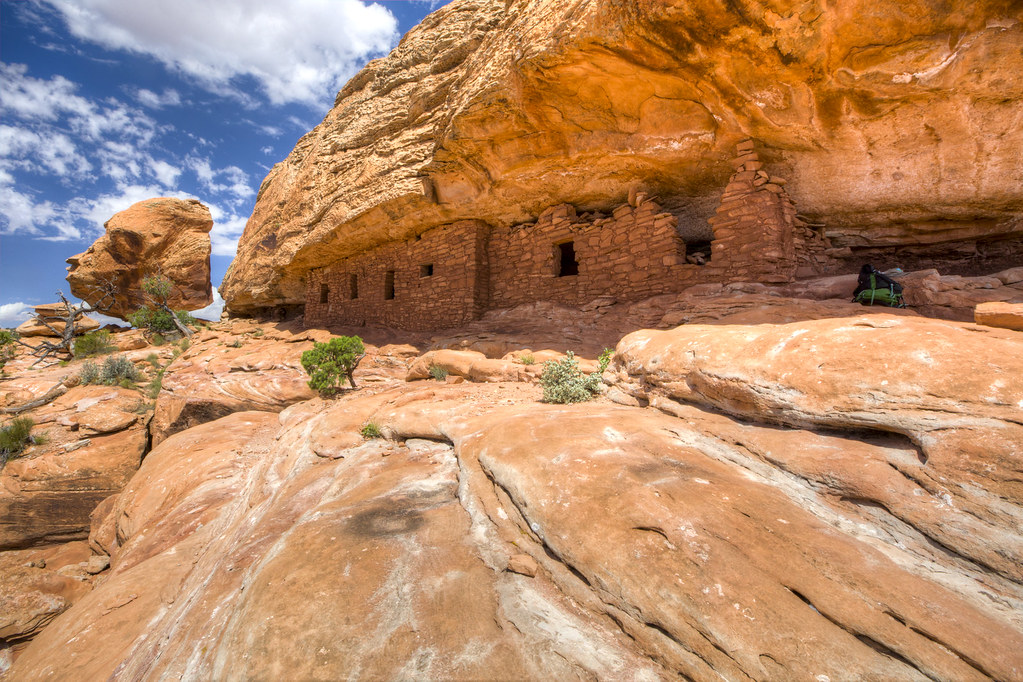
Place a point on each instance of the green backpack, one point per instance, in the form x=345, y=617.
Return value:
x=876, y=295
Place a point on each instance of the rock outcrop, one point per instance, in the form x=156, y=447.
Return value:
x=496, y=111
x=155, y=236
x=842, y=503
x=49, y=321
x=95, y=437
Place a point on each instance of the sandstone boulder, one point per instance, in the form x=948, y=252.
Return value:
x=223, y=373
x=155, y=236
x=1006, y=315
x=34, y=327
x=496, y=111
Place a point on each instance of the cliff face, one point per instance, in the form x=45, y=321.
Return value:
x=896, y=123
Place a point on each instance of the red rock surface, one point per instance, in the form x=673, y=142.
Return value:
x=160, y=235
x=834, y=498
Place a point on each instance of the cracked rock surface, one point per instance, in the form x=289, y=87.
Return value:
x=833, y=506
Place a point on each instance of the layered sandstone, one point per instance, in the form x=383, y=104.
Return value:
x=875, y=535
x=895, y=124
x=168, y=237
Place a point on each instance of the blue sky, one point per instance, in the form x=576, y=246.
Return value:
x=107, y=102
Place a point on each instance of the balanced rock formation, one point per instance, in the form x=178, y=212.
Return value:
x=496, y=111
x=169, y=237
x=874, y=536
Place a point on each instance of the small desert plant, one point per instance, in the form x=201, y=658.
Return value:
x=328, y=364
x=154, y=360
x=157, y=339
x=184, y=344
x=371, y=430
x=115, y=370
x=93, y=343
x=156, y=320
x=14, y=436
x=155, y=385
x=437, y=372
x=258, y=332
x=89, y=373
x=238, y=344
x=564, y=382
x=118, y=369
x=527, y=359
x=8, y=346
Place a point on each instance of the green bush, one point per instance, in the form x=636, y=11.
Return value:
x=371, y=430
x=116, y=370
x=527, y=359
x=157, y=320
x=328, y=364
x=564, y=382
x=8, y=347
x=89, y=373
x=14, y=437
x=93, y=343
x=437, y=372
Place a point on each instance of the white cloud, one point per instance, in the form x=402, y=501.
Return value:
x=20, y=212
x=166, y=174
x=54, y=152
x=296, y=50
x=169, y=98
x=213, y=310
x=227, y=230
x=13, y=314
x=231, y=179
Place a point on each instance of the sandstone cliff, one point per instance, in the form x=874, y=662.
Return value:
x=166, y=236
x=895, y=123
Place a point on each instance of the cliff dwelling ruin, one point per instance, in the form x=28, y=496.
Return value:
x=454, y=273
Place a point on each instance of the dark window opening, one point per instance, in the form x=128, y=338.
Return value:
x=389, y=286
x=567, y=264
x=353, y=287
x=698, y=253
x=324, y=293
x=426, y=270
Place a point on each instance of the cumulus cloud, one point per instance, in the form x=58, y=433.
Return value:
x=227, y=230
x=169, y=98
x=230, y=179
x=13, y=314
x=296, y=50
x=21, y=212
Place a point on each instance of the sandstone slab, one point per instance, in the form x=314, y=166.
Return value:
x=999, y=314
x=156, y=236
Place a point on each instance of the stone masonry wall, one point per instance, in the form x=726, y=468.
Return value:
x=438, y=280
x=632, y=254
x=754, y=227
x=452, y=274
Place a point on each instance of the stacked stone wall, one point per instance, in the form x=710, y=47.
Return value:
x=634, y=253
x=438, y=280
x=452, y=274
x=755, y=224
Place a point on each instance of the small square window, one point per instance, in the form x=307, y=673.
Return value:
x=426, y=270
x=566, y=262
